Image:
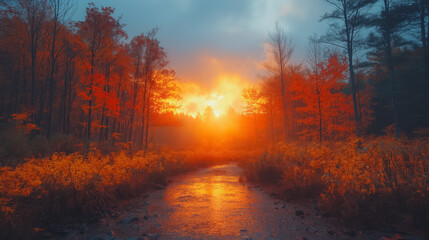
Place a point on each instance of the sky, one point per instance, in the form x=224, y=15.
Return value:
x=217, y=47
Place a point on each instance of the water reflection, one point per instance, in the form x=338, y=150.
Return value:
x=211, y=204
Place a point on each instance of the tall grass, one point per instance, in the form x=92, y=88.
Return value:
x=62, y=186
x=376, y=181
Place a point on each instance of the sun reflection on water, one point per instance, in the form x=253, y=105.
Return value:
x=211, y=205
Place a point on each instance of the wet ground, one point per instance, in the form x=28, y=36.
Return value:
x=214, y=203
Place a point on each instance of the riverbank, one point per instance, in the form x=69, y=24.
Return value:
x=41, y=194
x=215, y=203
x=380, y=183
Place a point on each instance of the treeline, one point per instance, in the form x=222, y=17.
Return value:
x=80, y=78
x=368, y=75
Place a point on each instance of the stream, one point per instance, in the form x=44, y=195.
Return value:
x=214, y=203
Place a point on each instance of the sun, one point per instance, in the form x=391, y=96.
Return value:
x=222, y=96
x=215, y=102
x=216, y=113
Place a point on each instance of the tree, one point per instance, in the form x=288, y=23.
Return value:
x=155, y=59
x=83, y=70
x=282, y=49
x=100, y=32
x=351, y=15
x=325, y=110
x=271, y=102
x=251, y=98
x=34, y=12
x=60, y=13
x=388, y=23
x=163, y=96
x=314, y=58
x=136, y=50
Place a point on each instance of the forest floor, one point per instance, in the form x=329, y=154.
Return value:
x=217, y=203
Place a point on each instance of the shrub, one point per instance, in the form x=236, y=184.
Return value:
x=371, y=182
x=14, y=146
x=64, y=186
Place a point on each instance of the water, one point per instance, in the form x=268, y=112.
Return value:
x=213, y=203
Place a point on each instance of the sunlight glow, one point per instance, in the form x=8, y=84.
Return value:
x=225, y=94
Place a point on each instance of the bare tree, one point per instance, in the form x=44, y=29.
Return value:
x=60, y=15
x=154, y=58
x=282, y=49
x=348, y=18
x=314, y=59
x=34, y=12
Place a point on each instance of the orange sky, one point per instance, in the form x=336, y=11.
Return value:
x=216, y=82
x=216, y=47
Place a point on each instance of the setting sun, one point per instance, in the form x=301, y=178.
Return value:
x=225, y=94
x=199, y=119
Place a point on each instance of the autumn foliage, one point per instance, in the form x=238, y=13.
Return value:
x=376, y=182
x=66, y=187
x=90, y=116
x=82, y=79
x=318, y=105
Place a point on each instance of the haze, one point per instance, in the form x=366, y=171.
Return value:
x=217, y=47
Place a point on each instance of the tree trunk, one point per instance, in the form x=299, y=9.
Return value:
x=52, y=72
x=100, y=137
x=146, y=81
x=88, y=131
x=284, y=103
x=389, y=63
x=423, y=23
x=352, y=81
x=147, y=125
x=33, y=67
x=320, y=118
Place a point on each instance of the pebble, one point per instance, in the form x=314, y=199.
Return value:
x=128, y=220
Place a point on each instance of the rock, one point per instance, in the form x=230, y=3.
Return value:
x=243, y=230
x=299, y=213
x=284, y=206
x=330, y=232
x=146, y=217
x=128, y=220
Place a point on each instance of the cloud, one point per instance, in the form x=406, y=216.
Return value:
x=207, y=38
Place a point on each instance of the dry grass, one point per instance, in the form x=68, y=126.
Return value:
x=62, y=187
x=377, y=181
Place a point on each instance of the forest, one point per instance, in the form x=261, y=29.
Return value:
x=91, y=116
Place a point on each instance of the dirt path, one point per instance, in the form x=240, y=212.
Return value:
x=213, y=203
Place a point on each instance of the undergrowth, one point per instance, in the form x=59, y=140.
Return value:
x=65, y=187
x=378, y=181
